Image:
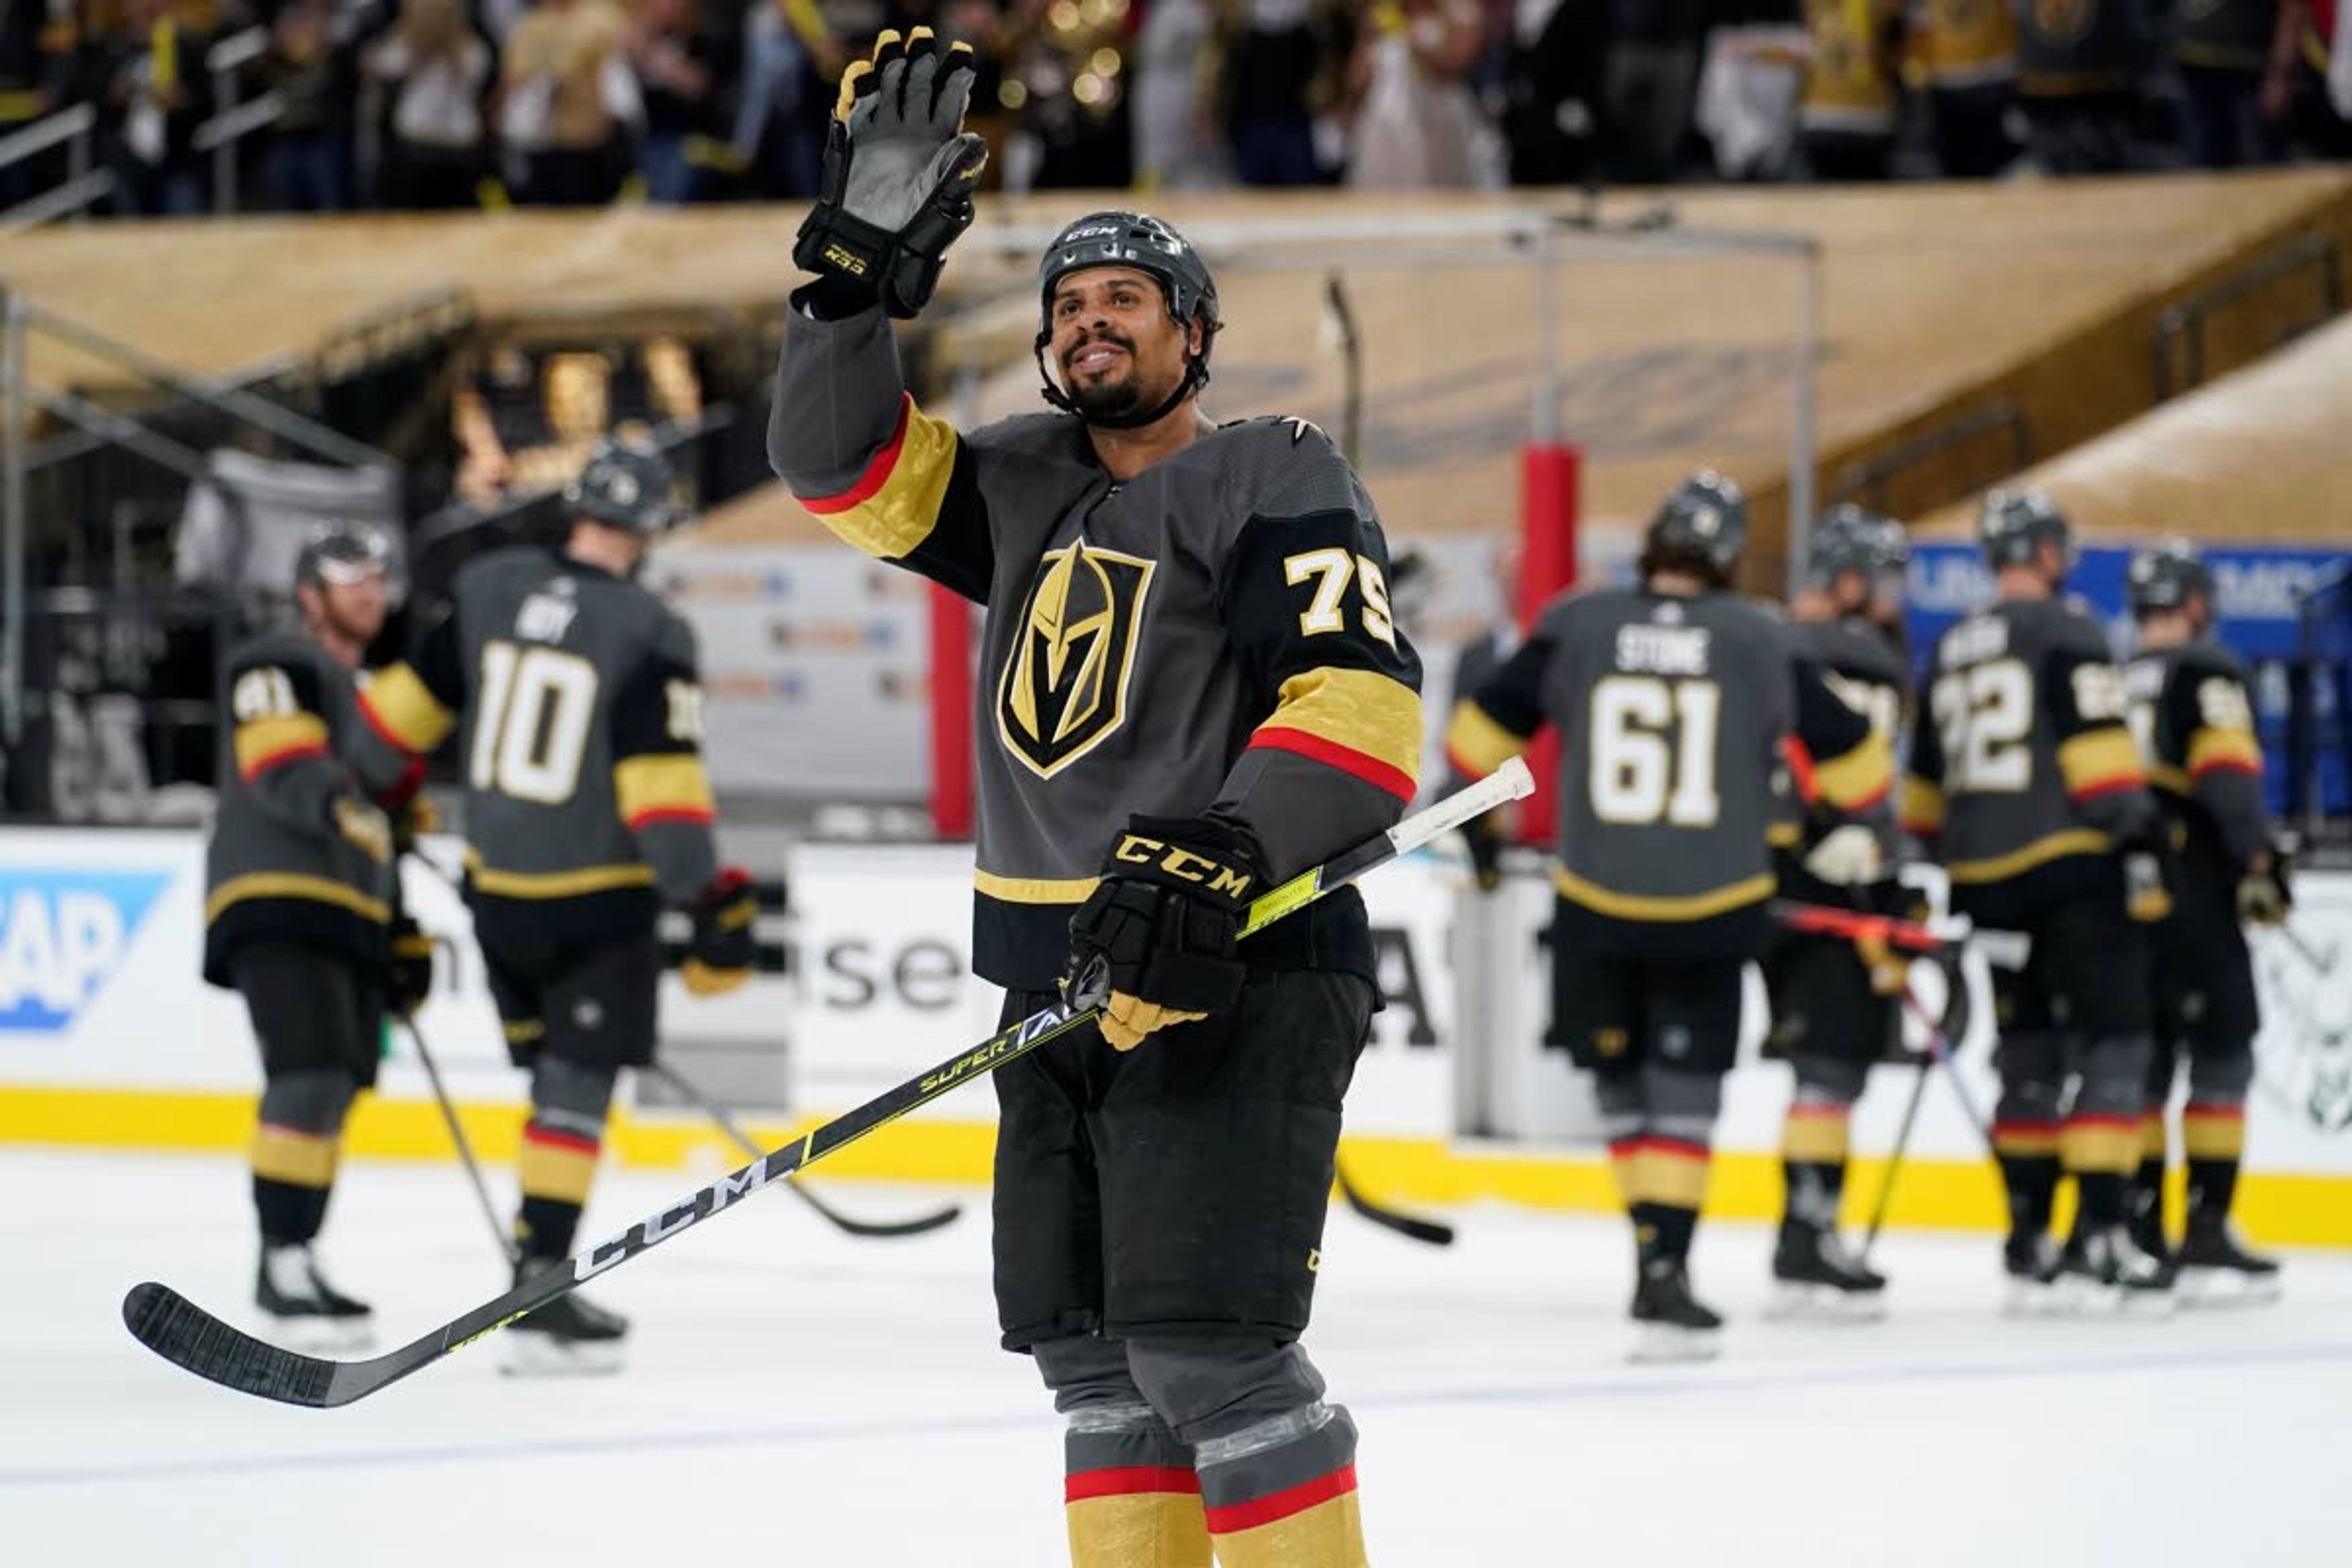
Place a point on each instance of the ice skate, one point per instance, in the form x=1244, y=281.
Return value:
x=2216, y=1270
x=1670, y=1323
x=1815, y=1277
x=301, y=1312
x=2104, y=1270
x=569, y=1336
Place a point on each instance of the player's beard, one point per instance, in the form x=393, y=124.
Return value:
x=1112, y=397
x=352, y=629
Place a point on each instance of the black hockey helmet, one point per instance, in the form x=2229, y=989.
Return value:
x=626, y=485
x=2013, y=525
x=1151, y=245
x=1850, y=538
x=1703, y=523
x=340, y=553
x=2167, y=576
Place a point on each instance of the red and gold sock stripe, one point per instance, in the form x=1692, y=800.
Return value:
x=1316, y=1524
x=293, y=1156
x=2026, y=1140
x=1136, y=1514
x=2213, y=1131
x=1816, y=1134
x=1654, y=1170
x=559, y=1165
x=2152, y=1144
x=2100, y=1145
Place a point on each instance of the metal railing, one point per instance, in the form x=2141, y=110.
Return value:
x=2180, y=330
x=1868, y=480
x=83, y=186
x=231, y=120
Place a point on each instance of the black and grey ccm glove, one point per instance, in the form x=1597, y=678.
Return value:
x=899, y=170
x=1155, y=944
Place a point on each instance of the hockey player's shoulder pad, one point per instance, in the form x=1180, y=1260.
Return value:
x=2205, y=660
x=507, y=562
x=1056, y=436
x=1282, y=465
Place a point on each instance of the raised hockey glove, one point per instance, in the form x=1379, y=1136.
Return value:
x=362, y=825
x=721, y=953
x=1155, y=944
x=899, y=170
x=408, y=979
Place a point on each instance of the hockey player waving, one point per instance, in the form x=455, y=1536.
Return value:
x=1677, y=705
x=1190, y=687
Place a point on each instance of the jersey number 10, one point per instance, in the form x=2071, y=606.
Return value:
x=530, y=730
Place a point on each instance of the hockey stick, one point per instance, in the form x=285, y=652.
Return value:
x=457, y=1136
x=194, y=1340
x=1351, y=367
x=1437, y=1233
x=919, y=1226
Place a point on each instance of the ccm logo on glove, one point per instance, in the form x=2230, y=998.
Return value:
x=1186, y=864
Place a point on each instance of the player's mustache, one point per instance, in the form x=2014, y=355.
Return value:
x=1116, y=339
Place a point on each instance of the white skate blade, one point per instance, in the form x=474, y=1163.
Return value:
x=1665, y=1345
x=2208, y=1290
x=314, y=1335
x=524, y=1354
x=2076, y=1297
x=1796, y=1301
x=2031, y=1299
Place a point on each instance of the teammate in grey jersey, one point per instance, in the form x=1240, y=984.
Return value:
x=1834, y=1000
x=299, y=900
x=1685, y=718
x=587, y=811
x=1192, y=684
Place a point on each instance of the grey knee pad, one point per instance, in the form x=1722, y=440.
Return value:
x=1828, y=1080
x=570, y=1098
x=1207, y=1386
x=2222, y=1078
x=1087, y=1371
x=2113, y=1076
x=2032, y=1069
x=1109, y=1424
x=312, y=1100
x=1682, y=1104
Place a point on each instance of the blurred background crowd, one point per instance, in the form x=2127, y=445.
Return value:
x=338, y=105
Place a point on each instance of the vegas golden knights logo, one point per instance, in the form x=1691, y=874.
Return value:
x=1064, y=684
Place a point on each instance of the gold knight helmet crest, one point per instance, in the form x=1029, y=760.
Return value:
x=1064, y=688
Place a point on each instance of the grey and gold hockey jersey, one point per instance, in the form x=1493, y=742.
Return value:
x=1685, y=724
x=587, y=807
x=2194, y=719
x=277, y=869
x=2023, y=772
x=1212, y=637
x=1862, y=663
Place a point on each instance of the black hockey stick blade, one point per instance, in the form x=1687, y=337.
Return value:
x=1435, y=1232
x=194, y=1340
x=920, y=1224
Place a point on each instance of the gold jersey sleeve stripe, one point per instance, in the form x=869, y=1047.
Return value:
x=662, y=789
x=1476, y=744
x=2099, y=760
x=294, y=885
x=2041, y=852
x=1373, y=720
x=262, y=744
x=2233, y=749
x=399, y=707
x=1035, y=889
x=1858, y=778
x=1923, y=806
x=1661, y=907
x=894, y=503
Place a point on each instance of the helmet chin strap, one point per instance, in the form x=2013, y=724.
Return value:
x=1196, y=376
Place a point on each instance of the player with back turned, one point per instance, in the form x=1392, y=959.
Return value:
x=579, y=715
x=2195, y=720
x=1190, y=687
x=1834, y=1000
x=1682, y=708
x=2025, y=780
x=298, y=914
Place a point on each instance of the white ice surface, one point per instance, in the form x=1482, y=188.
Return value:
x=799, y=1396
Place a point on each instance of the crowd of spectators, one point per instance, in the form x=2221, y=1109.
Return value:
x=453, y=103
